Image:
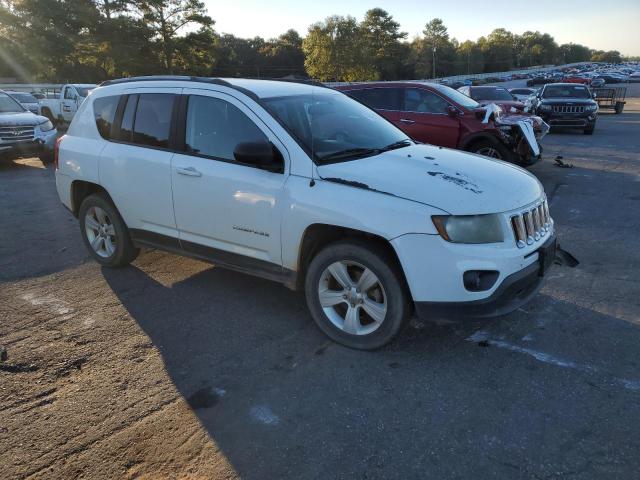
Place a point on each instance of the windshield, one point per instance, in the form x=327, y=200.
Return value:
x=330, y=126
x=490, y=94
x=24, y=97
x=84, y=91
x=566, y=91
x=455, y=96
x=9, y=105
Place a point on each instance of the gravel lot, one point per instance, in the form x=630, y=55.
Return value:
x=173, y=368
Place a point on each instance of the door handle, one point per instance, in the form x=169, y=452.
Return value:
x=189, y=172
x=407, y=121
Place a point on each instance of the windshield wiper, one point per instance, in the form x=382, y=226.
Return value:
x=350, y=152
x=395, y=145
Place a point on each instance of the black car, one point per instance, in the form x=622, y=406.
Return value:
x=567, y=105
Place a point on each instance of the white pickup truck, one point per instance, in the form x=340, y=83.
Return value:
x=62, y=108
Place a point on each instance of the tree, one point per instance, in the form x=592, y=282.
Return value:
x=612, y=56
x=469, y=58
x=284, y=55
x=336, y=50
x=382, y=35
x=435, y=35
x=167, y=17
x=574, y=53
x=498, y=50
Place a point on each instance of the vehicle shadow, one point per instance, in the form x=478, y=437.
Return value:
x=281, y=401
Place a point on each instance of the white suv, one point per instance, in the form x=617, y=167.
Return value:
x=299, y=183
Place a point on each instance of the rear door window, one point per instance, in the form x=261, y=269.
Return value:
x=424, y=101
x=104, y=112
x=379, y=98
x=146, y=120
x=152, y=124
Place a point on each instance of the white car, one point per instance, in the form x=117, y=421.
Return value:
x=301, y=184
x=62, y=107
x=523, y=94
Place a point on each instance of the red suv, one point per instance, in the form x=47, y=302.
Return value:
x=439, y=115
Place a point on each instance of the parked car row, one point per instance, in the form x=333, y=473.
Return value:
x=302, y=184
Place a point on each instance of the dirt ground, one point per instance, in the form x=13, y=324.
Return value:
x=173, y=368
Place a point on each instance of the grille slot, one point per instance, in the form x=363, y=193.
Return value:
x=531, y=225
x=16, y=134
x=568, y=109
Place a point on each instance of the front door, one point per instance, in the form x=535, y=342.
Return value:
x=225, y=209
x=425, y=118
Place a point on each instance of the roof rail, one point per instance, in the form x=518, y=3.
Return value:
x=181, y=78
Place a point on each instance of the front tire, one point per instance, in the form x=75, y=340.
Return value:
x=355, y=293
x=589, y=130
x=490, y=149
x=104, y=232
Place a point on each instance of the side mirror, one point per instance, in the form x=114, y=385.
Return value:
x=452, y=111
x=594, y=95
x=262, y=155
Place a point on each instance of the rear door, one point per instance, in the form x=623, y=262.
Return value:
x=135, y=166
x=387, y=101
x=426, y=118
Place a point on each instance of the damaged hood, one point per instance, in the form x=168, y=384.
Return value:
x=456, y=182
x=19, y=119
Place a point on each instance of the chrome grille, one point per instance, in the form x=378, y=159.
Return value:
x=531, y=225
x=16, y=134
x=568, y=108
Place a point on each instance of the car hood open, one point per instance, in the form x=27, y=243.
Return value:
x=457, y=182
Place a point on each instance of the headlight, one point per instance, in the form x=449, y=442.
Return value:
x=46, y=126
x=469, y=228
x=591, y=108
x=546, y=108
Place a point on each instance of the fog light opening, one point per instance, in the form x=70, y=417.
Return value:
x=479, y=280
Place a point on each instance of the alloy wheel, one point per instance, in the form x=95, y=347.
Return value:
x=352, y=297
x=100, y=232
x=489, y=152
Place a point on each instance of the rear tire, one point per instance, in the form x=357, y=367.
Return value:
x=104, y=232
x=356, y=295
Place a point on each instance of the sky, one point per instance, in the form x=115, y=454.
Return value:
x=602, y=25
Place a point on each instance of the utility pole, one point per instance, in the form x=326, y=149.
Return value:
x=434, y=62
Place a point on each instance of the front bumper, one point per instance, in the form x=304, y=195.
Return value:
x=569, y=120
x=43, y=142
x=436, y=279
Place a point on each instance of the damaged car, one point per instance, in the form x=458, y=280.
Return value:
x=439, y=115
x=300, y=184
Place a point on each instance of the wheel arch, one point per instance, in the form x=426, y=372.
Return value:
x=318, y=235
x=81, y=189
